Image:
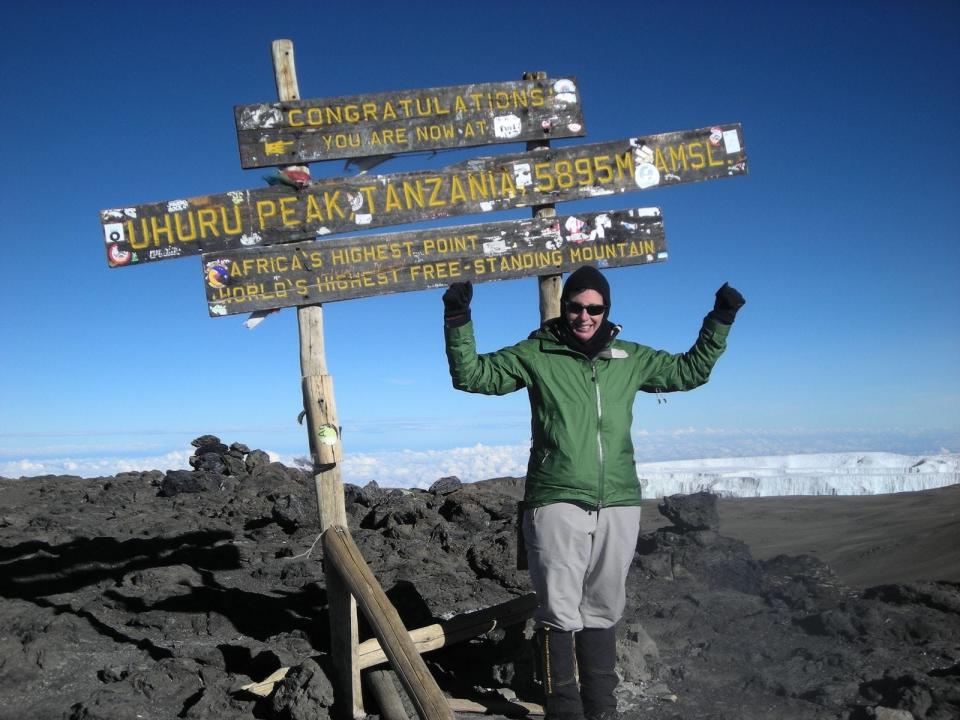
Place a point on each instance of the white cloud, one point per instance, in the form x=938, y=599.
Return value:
x=94, y=467
x=421, y=468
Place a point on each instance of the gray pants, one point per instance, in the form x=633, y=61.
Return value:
x=578, y=560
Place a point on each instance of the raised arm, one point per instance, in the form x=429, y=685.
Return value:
x=496, y=373
x=667, y=372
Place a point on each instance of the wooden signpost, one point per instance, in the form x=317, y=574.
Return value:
x=272, y=247
x=344, y=268
x=243, y=219
x=303, y=131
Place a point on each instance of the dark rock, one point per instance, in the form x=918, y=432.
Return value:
x=290, y=512
x=209, y=462
x=184, y=481
x=941, y=596
x=256, y=459
x=304, y=694
x=446, y=485
x=209, y=444
x=205, y=440
x=691, y=512
x=238, y=449
x=235, y=465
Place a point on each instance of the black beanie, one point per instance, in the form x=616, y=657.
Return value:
x=586, y=278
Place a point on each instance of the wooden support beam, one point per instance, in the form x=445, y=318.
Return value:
x=510, y=708
x=324, y=433
x=431, y=637
x=344, y=555
x=384, y=691
x=457, y=629
x=549, y=285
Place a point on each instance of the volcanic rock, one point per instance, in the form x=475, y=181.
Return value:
x=119, y=601
x=691, y=512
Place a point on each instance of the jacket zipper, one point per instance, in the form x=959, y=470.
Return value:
x=596, y=387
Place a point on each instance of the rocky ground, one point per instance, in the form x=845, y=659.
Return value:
x=159, y=595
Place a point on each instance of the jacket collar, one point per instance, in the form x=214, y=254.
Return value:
x=549, y=336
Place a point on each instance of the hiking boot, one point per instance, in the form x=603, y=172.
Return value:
x=561, y=695
x=597, y=661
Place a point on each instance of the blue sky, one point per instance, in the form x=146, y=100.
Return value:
x=844, y=237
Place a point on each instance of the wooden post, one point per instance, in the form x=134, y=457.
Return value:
x=343, y=553
x=384, y=691
x=549, y=285
x=325, y=447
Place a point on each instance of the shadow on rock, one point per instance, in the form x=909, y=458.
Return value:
x=41, y=569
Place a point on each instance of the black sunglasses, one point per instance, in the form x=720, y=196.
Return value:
x=576, y=308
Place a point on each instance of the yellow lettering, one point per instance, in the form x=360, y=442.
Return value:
x=181, y=235
x=287, y=212
x=314, y=213
x=277, y=147
x=477, y=186
x=413, y=194
x=718, y=163
x=678, y=157
x=159, y=230
x=507, y=186
x=207, y=219
x=435, y=184
x=456, y=190
x=295, y=113
x=265, y=209
x=237, y=226
x=368, y=191
x=393, y=199
x=697, y=160
x=660, y=162
x=332, y=204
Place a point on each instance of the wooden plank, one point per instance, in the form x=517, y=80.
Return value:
x=387, y=123
x=346, y=268
x=412, y=671
x=430, y=637
x=456, y=629
x=267, y=216
x=320, y=408
x=384, y=691
x=495, y=706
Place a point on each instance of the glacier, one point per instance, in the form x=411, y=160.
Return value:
x=867, y=473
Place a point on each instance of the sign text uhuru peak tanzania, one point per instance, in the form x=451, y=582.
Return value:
x=267, y=216
x=344, y=268
x=303, y=131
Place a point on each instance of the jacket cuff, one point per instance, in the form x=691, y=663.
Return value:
x=715, y=326
x=456, y=320
x=725, y=317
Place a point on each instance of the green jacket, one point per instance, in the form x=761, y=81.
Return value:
x=581, y=410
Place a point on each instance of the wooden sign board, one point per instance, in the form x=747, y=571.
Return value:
x=343, y=268
x=267, y=216
x=305, y=131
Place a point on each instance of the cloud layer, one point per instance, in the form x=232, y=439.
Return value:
x=420, y=468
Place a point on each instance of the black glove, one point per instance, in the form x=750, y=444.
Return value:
x=726, y=306
x=456, y=304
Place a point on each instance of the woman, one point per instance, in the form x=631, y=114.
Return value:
x=582, y=497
